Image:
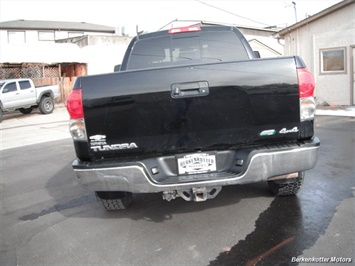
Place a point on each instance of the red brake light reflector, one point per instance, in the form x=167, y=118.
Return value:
x=306, y=83
x=75, y=104
x=184, y=29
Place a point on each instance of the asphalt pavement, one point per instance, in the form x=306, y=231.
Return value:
x=48, y=219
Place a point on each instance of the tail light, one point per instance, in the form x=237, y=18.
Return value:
x=185, y=29
x=75, y=104
x=306, y=87
x=76, y=112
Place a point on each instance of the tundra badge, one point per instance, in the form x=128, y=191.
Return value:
x=98, y=143
x=113, y=147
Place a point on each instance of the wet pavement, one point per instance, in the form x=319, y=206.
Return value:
x=48, y=219
x=293, y=225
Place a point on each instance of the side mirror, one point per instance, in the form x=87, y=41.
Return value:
x=117, y=68
x=5, y=90
x=257, y=54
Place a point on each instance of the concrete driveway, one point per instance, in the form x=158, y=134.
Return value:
x=18, y=130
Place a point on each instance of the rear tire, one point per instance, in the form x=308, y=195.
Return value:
x=286, y=187
x=46, y=105
x=26, y=111
x=115, y=200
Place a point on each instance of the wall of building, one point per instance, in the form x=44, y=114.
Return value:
x=108, y=50
x=267, y=47
x=332, y=31
x=266, y=44
x=101, y=53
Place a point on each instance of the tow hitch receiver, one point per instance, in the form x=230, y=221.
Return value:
x=195, y=194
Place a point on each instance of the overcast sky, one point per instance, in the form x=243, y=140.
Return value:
x=152, y=15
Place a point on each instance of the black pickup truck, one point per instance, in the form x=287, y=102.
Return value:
x=191, y=110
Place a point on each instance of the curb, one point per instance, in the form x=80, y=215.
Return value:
x=348, y=111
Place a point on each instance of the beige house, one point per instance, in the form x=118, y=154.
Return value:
x=326, y=42
x=30, y=49
x=53, y=49
x=35, y=31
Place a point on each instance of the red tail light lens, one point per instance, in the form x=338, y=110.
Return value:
x=76, y=112
x=75, y=104
x=305, y=83
x=184, y=29
x=306, y=87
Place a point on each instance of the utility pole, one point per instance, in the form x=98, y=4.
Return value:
x=294, y=7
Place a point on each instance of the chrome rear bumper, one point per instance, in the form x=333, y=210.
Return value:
x=160, y=174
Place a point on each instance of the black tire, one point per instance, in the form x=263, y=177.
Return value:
x=114, y=201
x=46, y=105
x=286, y=187
x=0, y=116
x=26, y=111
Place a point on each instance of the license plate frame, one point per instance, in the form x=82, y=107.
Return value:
x=196, y=163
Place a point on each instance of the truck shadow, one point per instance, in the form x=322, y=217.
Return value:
x=152, y=208
x=71, y=200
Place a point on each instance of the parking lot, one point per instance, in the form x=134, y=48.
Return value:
x=48, y=219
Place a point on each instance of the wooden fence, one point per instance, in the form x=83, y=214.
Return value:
x=63, y=75
x=65, y=86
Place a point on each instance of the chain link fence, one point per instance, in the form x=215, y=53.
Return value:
x=32, y=72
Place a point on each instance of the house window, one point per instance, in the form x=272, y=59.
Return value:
x=46, y=35
x=16, y=36
x=333, y=61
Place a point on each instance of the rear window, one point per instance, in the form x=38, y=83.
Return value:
x=198, y=48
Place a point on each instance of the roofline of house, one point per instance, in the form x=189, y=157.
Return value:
x=60, y=29
x=266, y=46
x=59, y=26
x=316, y=16
x=259, y=29
x=204, y=22
x=207, y=22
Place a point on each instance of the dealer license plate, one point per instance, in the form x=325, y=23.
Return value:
x=196, y=163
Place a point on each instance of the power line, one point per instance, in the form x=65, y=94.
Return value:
x=231, y=13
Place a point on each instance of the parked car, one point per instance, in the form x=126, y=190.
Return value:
x=191, y=110
x=23, y=95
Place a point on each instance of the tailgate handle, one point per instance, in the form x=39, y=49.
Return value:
x=190, y=89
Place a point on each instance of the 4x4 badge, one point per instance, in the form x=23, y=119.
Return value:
x=286, y=131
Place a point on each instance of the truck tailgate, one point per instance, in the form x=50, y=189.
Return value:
x=191, y=108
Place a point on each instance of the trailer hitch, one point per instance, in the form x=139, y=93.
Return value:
x=194, y=194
